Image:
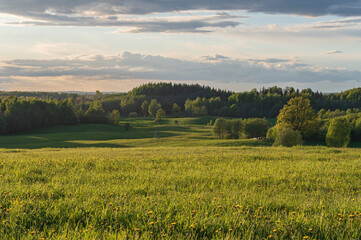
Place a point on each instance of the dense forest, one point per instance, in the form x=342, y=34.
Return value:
x=21, y=111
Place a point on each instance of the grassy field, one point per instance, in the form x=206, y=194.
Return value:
x=102, y=182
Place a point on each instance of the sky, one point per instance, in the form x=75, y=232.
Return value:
x=238, y=45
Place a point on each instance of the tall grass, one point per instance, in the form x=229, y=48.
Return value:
x=180, y=193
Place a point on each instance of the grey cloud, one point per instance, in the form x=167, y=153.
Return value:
x=333, y=52
x=56, y=11
x=215, y=57
x=270, y=60
x=348, y=22
x=147, y=24
x=146, y=67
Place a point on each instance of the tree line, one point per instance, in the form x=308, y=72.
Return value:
x=21, y=112
x=297, y=121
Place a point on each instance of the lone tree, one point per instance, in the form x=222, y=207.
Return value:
x=338, y=134
x=160, y=114
x=299, y=115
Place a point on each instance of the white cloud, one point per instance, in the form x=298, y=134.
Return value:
x=129, y=66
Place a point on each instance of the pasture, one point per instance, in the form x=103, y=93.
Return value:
x=102, y=182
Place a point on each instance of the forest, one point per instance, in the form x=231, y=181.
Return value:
x=22, y=111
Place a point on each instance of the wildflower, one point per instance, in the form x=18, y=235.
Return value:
x=305, y=237
x=150, y=212
x=151, y=223
x=173, y=223
x=274, y=230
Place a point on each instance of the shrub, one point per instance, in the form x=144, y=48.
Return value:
x=160, y=114
x=288, y=137
x=272, y=133
x=133, y=115
x=233, y=128
x=219, y=128
x=338, y=134
x=126, y=126
x=256, y=127
x=114, y=117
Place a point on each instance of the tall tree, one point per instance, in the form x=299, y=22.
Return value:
x=154, y=106
x=299, y=115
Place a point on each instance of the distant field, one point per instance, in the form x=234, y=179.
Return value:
x=102, y=182
x=188, y=132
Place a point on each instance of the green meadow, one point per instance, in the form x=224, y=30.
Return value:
x=102, y=182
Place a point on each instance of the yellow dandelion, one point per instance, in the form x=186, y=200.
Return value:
x=151, y=223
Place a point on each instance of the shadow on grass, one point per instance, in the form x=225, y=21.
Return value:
x=85, y=135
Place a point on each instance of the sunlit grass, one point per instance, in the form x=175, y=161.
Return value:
x=102, y=182
x=230, y=192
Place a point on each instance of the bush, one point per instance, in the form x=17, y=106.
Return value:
x=114, y=117
x=288, y=137
x=133, y=115
x=233, y=128
x=219, y=128
x=272, y=133
x=126, y=126
x=338, y=134
x=256, y=127
x=159, y=115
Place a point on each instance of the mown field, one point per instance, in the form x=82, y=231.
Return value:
x=101, y=182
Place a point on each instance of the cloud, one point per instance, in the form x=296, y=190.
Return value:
x=146, y=15
x=333, y=52
x=39, y=9
x=215, y=57
x=146, y=23
x=136, y=67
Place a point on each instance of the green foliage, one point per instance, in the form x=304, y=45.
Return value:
x=144, y=107
x=197, y=107
x=271, y=133
x=3, y=124
x=287, y=137
x=160, y=115
x=176, y=110
x=256, y=127
x=154, y=106
x=95, y=113
x=133, y=115
x=299, y=115
x=220, y=128
x=338, y=134
x=114, y=117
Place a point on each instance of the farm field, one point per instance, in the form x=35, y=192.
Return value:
x=102, y=182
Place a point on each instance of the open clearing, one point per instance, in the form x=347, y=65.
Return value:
x=101, y=182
